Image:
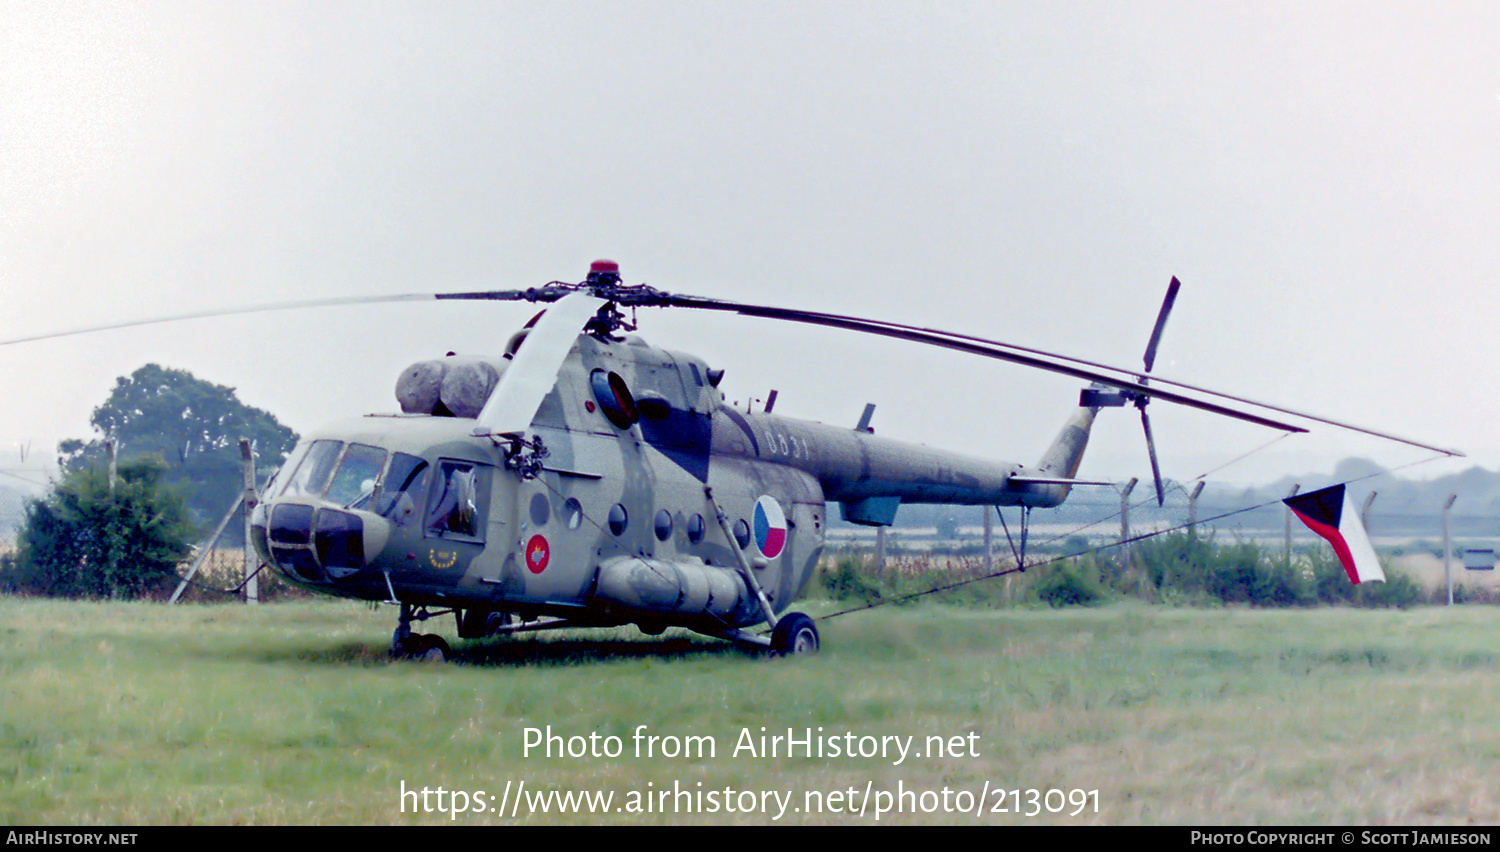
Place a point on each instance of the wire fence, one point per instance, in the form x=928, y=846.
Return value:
x=12, y=518
x=221, y=578
x=1412, y=535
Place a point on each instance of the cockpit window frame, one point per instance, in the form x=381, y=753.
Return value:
x=360, y=499
x=398, y=502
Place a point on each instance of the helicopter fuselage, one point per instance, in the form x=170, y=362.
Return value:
x=637, y=496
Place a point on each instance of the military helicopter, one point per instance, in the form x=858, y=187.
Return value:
x=584, y=478
x=587, y=478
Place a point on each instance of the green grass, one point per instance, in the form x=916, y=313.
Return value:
x=292, y=713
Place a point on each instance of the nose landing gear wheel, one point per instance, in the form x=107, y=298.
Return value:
x=423, y=647
x=795, y=634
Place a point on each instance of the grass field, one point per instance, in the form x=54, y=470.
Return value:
x=292, y=713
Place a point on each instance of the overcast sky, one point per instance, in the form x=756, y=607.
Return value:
x=1321, y=176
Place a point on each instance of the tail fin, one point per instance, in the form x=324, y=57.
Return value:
x=1066, y=452
x=1052, y=479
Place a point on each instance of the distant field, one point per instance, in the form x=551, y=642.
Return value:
x=1428, y=570
x=291, y=713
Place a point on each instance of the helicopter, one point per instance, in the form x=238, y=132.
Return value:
x=586, y=478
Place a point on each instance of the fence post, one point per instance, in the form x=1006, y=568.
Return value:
x=252, y=561
x=989, y=542
x=1125, y=524
x=1193, y=509
x=1447, y=566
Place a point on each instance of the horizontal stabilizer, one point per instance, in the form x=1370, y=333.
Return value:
x=871, y=511
x=1054, y=480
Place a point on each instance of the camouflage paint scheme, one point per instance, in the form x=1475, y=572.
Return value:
x=544, y=544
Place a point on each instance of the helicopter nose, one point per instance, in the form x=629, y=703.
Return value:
x=317, y=543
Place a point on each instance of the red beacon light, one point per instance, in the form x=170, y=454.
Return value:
x=604, y=271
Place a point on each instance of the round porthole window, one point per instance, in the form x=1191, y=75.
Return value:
x=618, y=519
x=695, y=529
x=541, y=510
x=742, y=533
x=663, y=525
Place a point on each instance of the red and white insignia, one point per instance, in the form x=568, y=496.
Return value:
x=538, y=552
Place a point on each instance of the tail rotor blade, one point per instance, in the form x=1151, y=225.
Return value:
x=1150, y=360
x=1161, y=322
x=1161, y=497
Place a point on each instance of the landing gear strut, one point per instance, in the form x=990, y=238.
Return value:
x=478, y=623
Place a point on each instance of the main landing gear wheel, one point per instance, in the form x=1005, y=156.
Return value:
x=795, y=634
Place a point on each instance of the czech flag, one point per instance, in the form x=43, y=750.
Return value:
x=1328, y=514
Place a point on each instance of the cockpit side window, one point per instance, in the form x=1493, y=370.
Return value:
x=459, y=500
x=401, y=492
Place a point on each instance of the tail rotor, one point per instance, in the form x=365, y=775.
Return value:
x=1150, y=361
x=1097, y=395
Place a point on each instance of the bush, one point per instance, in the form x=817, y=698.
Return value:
x=1234, y=574
x=848, y=581
x=1179, y=568
x=1398, y=590
x=1463, y=594
x=1194, y=569
x=1330, y=581
x=1074, y=582
x=82, y=541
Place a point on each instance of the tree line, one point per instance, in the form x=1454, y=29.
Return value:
x=177, y=471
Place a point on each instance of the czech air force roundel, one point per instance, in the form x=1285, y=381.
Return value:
x=770, y=527
x=538, y=552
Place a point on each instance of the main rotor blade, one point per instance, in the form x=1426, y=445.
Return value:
x=226, y=312
x=988, y=349
x=550, y=293
x=643, y=296
x=532, y=373
x=1161, y=321
x=1150, y=361
x=1053, y=362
